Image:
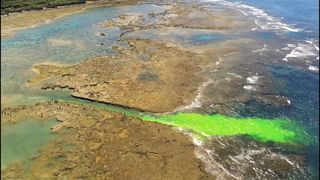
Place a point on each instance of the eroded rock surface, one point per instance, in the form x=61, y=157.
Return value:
x=161, y=77
x=147, y=76
x=183, y=16
x=150, y=75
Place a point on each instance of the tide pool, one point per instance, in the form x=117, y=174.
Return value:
x=21, y=141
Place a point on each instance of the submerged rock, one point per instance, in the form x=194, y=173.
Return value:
x=147, y=76
x=102, y=34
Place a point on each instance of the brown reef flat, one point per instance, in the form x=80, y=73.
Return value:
x=93, y=143
x=148, y=75
x=158, y=77
x=180, y=15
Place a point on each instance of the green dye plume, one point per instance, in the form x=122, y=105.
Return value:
x=264, y=130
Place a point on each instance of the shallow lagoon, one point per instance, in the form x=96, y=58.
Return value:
x=21, y=142
x=58, y=42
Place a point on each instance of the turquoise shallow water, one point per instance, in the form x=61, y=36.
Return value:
x=68, y=40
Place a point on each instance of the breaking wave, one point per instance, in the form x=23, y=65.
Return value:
x=304, y=50
x=262, y=19
x=307, y=49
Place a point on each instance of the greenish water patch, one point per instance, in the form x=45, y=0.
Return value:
x=263, y=130
x=21, y=141
x=279, y=130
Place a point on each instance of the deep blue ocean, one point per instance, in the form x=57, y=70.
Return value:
x=296, y=21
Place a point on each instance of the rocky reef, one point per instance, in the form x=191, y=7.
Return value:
x=100, y=144
x=162, y=75
x=245, y=159
x=141, y=77
x=183, y=64
x=181, y=15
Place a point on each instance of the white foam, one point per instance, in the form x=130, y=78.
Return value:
x=219, y=61
x=285, y=98
x=316, y=47
x=313, y=68
x=214, y=167
x=252, y=79
x=243, y=13
x=309, y=41
x=250, y=88
x=288, y=101
x=286, y=48
x=235, y=75
x=206, y=156
x=264, y=48
x=197, y=142
x=263, y=19
x=196, y=103
x=288, y=161
x=301, y=50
